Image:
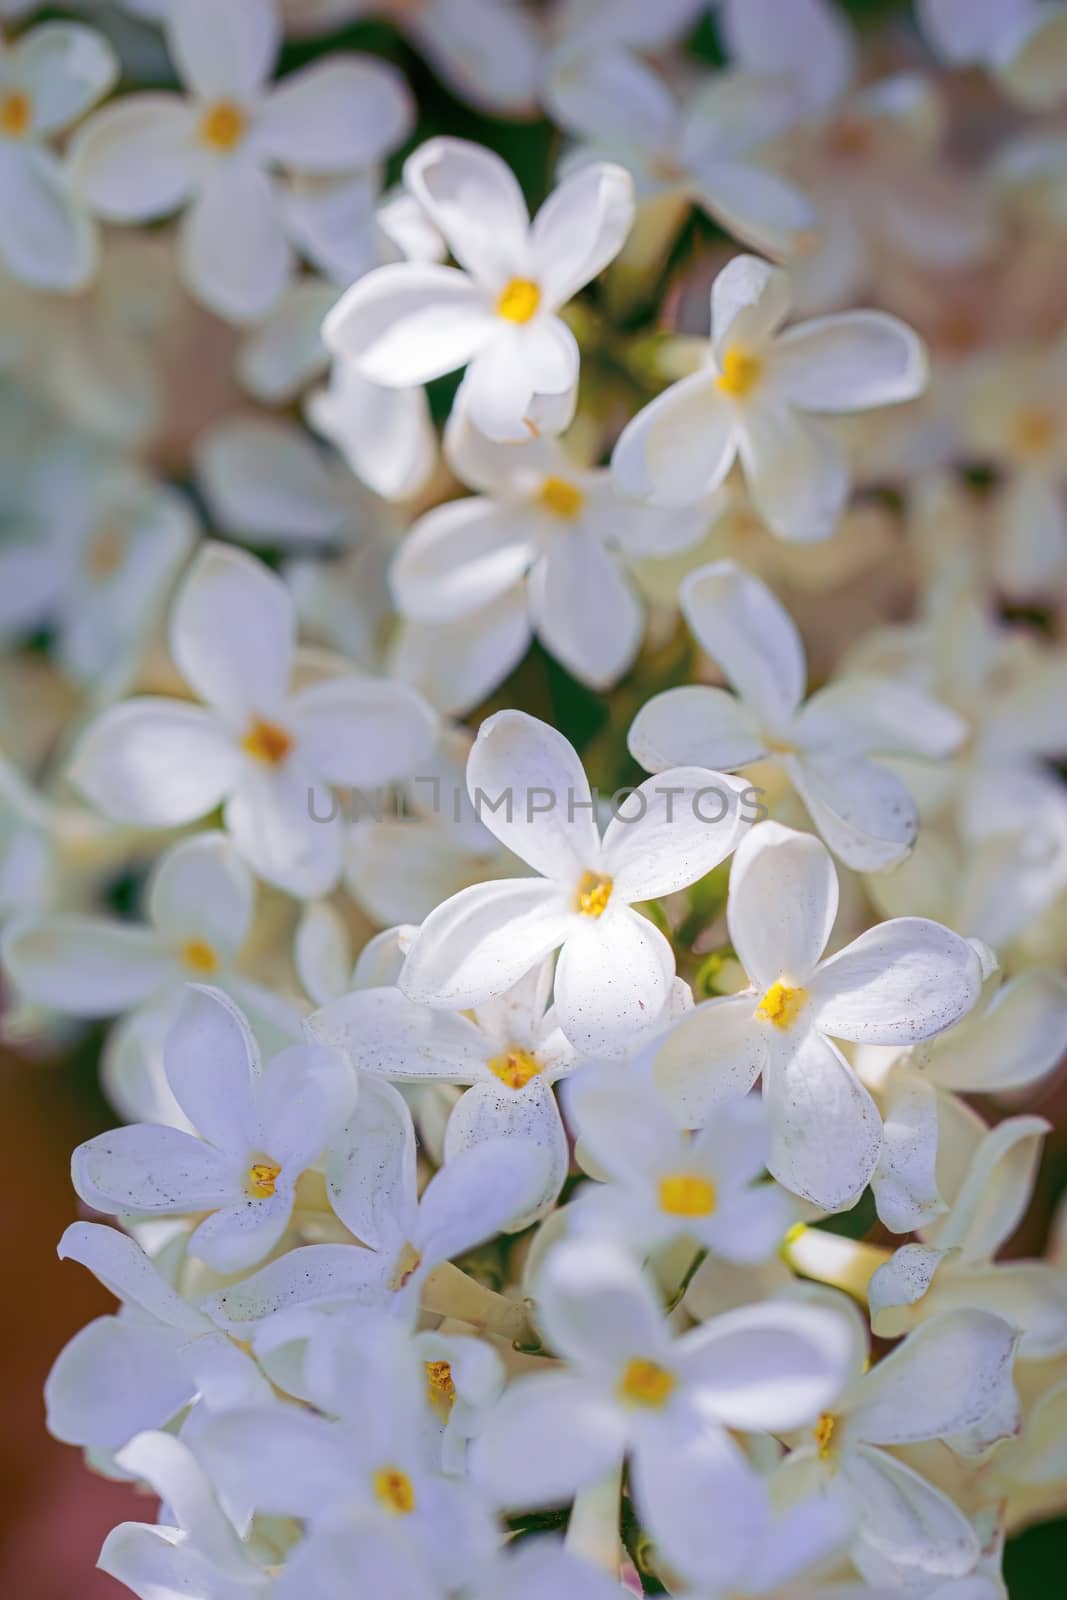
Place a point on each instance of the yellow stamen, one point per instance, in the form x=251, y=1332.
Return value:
x=740, y=372
x=781, y=1005
x=266, y=742
x=198, y=954
x=395, y=1490
x=441, y=1385
x=16, y=113
x=223, y=125
x=408, y=1262
x=563, y=499
x=515, y=1067
x=519, y=300
x=594, y=892
x=262, y=1177
x=687, y=1194
x=646, y=1383
x=823, y=1434
x=1035, y=431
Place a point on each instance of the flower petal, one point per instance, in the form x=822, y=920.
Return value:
x=897, y=983
x=481, y=1190
x=406, y=323
x=613, y=977
x=85, y=966
x=383, y=1032
x=796, y=471
x=1015, y=1041
x=580, y=228
x=757, y=206
x=362, y=731
x=863, y=810
x=335, y=114
x=909, y=1529
x=370, y=1172
x=233, y=254
x=275, y=817
x=131, y=1276
x=490, y=1111
x=227, y=54
x=767, y=1367
x=597, y=644
x=826, y=1134
x=474, y=200
x=749, y=302
x=201, y=889
x=738, y=621
x=459, y=556
x=849, y=362
x=54, y=245
x=135, y=160
x=546, y=1437
x=695, y=725
x=547, y=815
x=946, y=1377
x=155, y=763
x=65, y=68
x=680, y=447
x=212, y=1066
x=714, y=1053
x=782, y=904
x=157, y=1171
x=671, y=830
x=115, y=1378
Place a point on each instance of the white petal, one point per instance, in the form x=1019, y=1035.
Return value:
x=265, y=482
x=810, y=45
x=85, y=966
x=621, y=1121
x=879, y=717
x=54, y=245
x=546, y=1436
x=596, y=643
x=279, y=822
x=458, y=664
x=849, y=362
x=1015, y=1041
x=671, y=830
x=474, y=199
x=115, y=1378
x=66, y=68
x=135, y=159
x=407, y=323
x=757, y=206
x=598, y=1308
x=212, y=1065
x=529, y=1116
x=459, y=556
x=714, y=1053
x=225, y=54
x=611, y=94
x=946, y=1377
x=782, y=904
x=547, y=813
x=384, y=1032
x=386, y=435
x=695, y=726
x=826, y=1134
x=345, y=111
x=580, y=228
x=363, y=732
x=237, y=1236
x=863, y=810
x=159, y=1562
x=767, y=1367
x=491, y=53
x=749, y=302
x=996, y=1191
x=286, y=1461
x=613, y=977
x=155, y=763
x=796, y=473
x=680, y=447
x=232, y=632
x=124, y=1269
x=905, y=980
x=905, y=1181
x=173, y=1471
x=481, y=1191
x=312, y=1275
x=233, y=253
x=907, y=1523
x=371, y=1168
x=201, y=889
x=742, y=626
x=152, y=1170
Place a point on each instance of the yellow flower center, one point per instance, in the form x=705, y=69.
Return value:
x=261, y=1178
x=823, y=1434
x=740, y=373
x=519, y=300
x=223, y=125
x=646, y=1383
x=394, y=1490
x=441, y=1385
x=1035, y=431
x=408, y=1262
x=15, y=113
x=687, y=1194
x=266, y=742
x=593, y=894
x=563, y=499
x=781, y=1005
x=198, y=954
x=515, y=1067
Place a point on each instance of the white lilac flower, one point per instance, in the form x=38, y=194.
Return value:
x=371, y=1178
x=540, y=539
x=864, y=812
x=900, y=982
x=952, y=1263
x=615, y=968
x=258, y=1130
x=495, y=314
x=464, y=1379
x=145, y=1365
x=256, y=745
x=199, y=1551
x=372, y=1467
x=658, y=1184
x=215, y=150
x=703, y=151
x=511, y=1053
x=949, y=1380
x=200, y=904
x=49, y=77
x=754, y=398
x=630, y=1389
